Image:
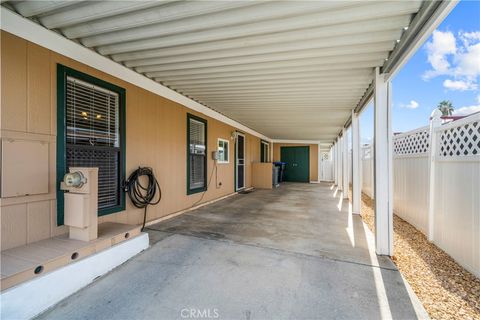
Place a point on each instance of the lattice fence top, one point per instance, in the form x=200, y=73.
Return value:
x=460, y=138
x=367, y=151
x=413, y=142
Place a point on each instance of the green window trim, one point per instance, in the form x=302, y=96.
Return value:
x=62, y=73
x=204, y=188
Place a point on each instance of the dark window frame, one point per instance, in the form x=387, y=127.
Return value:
x=204, y=188
x=266, y=155
x=62, y=73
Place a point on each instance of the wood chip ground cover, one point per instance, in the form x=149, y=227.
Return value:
x=445, y=288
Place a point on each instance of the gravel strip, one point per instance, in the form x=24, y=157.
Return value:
x=445, y=288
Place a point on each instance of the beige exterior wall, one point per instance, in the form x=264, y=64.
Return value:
x=313, y=152
x=155, y=137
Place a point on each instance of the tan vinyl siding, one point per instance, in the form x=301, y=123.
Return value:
x=155, y=137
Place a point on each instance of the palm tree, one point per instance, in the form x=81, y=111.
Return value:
x=446, y=107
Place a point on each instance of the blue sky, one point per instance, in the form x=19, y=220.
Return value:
x=445, y=67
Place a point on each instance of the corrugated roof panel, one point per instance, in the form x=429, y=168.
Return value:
x=290, y=70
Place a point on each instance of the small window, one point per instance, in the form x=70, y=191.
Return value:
x=223, y=149
x=264, y=151
x=196, y=154
x=91, y=133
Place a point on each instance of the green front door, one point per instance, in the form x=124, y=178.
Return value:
x=297, y=163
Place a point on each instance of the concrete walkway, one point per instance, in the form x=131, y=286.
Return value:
x=291, y=253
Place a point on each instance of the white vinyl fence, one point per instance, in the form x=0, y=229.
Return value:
x=451, y=169
x=326, y=167
x=456, y=197
x=367, y=170
x=411, y=177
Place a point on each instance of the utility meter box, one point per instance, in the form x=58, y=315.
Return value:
x=80, y=203
x=77, y=210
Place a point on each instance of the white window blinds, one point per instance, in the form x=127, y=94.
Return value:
x=197, y=157
x=92, y=136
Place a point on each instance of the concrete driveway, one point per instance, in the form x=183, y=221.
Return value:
x=290, y=253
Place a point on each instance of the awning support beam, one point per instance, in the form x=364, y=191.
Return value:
x=383, y=173
x=356, y=165
x=345, y=164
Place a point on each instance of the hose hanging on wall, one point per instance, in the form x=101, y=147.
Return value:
x=141, y=195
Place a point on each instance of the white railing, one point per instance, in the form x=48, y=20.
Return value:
x=437, y=189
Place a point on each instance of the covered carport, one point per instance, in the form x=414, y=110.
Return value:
x=295, y=253
x=292, y=71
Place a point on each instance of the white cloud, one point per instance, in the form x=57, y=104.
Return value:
x=466, y=110
x=458, y=59
x=442, y=45
x=469, y=37
x=412, y=105
x=459, y=85
x=478, y=98
x=468, y=62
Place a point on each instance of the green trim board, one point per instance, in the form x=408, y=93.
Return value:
x=297, y=159
x=204, y=188
x=62, y=73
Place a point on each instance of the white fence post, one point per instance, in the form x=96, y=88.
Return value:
x=435, y=122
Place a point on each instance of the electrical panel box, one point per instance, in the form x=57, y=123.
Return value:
x=25, y=169
x=215, y=155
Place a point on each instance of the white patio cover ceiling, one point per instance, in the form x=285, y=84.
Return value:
x=290, y=70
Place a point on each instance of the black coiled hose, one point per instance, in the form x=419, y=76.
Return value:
x=141, y=195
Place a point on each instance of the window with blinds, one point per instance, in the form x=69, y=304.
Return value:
x=197, y=154
x=93, y=136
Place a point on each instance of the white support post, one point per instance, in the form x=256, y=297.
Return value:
x=335, y=175
x=356, y=165
x=334, y=163
x=372, y=168
x=383, y=166
x=331, y=166
x=339, y=163
x=319, y=163
x=435, y=122
x=345, y=187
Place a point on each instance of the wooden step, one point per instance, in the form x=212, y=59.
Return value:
x=23, y=263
